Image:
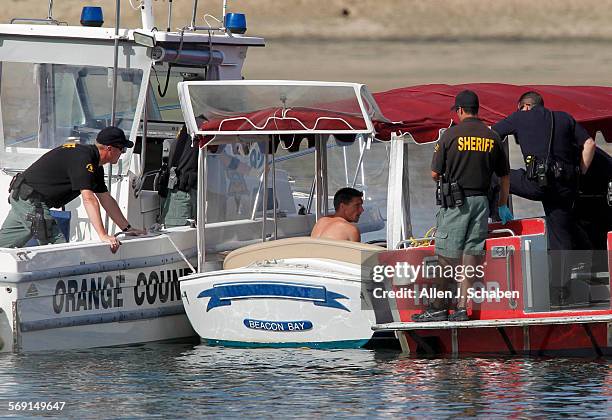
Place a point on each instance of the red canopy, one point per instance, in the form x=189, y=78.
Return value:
x=275, y=119
x=423, y=110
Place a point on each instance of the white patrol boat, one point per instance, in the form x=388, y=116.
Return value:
x=60, y=84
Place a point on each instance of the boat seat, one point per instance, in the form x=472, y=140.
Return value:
x=299, y=247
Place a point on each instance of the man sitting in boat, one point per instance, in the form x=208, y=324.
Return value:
x=58, y=177
x=348, y=203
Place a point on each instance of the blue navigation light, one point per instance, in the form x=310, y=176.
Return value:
x=235, y=23
x=92, y=16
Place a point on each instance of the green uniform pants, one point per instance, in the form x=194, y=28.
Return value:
x=17, y=228
x=463, y=230
x=179, y=206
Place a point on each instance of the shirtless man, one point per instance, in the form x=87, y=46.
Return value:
x=348, y=203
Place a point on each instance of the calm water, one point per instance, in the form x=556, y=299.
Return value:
x=180, y=381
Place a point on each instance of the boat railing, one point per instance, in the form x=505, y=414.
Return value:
x=505, y=230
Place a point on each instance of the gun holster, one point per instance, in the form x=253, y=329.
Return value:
x=537, y=170
x=449, y=194
x=39, y=224
x=160, y=182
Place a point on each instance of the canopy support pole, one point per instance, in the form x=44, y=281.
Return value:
x=264, y=201
x=318, y=178
x=274, y=190
x=202, y=208
x=398, y=221
x=325, y=203
x=145, y=128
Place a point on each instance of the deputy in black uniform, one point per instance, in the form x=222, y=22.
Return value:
x=556, y=150
x=463, y=163
x=58, y=177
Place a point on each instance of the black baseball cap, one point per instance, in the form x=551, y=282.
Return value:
x=113, y=136
x=466, y=99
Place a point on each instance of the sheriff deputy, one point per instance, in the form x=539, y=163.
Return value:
x=463, y=163
x=557, y=150
x=58, y=177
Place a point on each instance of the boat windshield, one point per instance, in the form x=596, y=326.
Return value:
x=278, y=107
x=46, y=105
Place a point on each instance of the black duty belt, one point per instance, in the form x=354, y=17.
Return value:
x=26, y=192
x=474, y=193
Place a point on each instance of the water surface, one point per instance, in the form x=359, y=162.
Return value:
x=186, y=381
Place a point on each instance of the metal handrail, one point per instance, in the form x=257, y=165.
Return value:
x=48, y=19
x=509, y=253
x=504, y=230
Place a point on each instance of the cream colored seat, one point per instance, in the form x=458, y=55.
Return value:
x=300, y=247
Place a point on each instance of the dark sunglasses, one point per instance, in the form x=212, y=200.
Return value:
x=120, y=148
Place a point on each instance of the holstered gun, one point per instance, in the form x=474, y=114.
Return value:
x=39, y=225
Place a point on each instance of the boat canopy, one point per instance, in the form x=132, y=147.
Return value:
x=422, y=111
x=247, y=108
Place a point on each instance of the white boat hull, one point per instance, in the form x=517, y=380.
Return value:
x=280, y=305
x=82, y=296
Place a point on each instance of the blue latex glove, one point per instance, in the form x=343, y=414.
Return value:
x=505, y=214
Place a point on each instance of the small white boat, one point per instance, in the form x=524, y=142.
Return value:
x=298, y=291
x=290, y=292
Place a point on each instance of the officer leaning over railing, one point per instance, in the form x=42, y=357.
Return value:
x=55, y=179
x=556, y=150
x=463, y=164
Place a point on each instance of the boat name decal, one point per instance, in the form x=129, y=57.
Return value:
x=106, y=292
x=256, y=324
x=162, y=287
x=223, y=294
x=101, y=291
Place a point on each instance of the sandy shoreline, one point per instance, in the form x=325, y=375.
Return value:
x=416, y=20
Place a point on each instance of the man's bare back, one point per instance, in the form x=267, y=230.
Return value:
x=334, y=227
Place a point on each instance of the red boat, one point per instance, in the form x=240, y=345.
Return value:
x=511, y=308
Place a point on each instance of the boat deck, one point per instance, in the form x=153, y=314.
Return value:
x=409, y=329
x=492, y=323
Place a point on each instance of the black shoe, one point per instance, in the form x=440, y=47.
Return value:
x=431, y=315
x=459, y=315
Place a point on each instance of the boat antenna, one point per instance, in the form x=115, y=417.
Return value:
x=116, y=61
x=114, y=95
x=169, y=15
x=50, y=14
x=224, y=13
x=193, y=16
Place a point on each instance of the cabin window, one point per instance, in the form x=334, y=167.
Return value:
x=69, y=109
x=20, y=100
x=46, y=105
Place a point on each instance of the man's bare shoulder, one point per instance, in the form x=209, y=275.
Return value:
x=330, y=227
